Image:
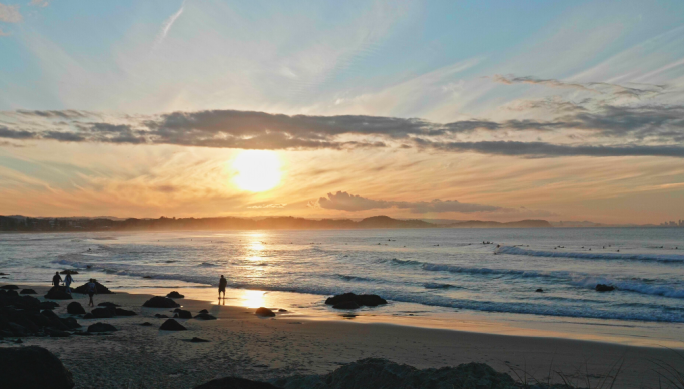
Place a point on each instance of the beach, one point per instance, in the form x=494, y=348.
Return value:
x=244, y=345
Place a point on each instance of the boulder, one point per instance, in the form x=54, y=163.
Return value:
x=33, y=367
x=160, y=302
x=204, y=311
x=124, y=312
x=103, y=313
x=205, y=316
x=198, y=340
x=70, y=322
x=88, y=316
x=9, y=287
x=235, y=383
x=108, y=304
x=101, y=327
x=58, y=334
x=68, y=272
x=172, y=325
x=264, y=312
x=540, y=290
x=75, y=308
x=175, y=295
x=184, y=314
x=58, y=293
x=101, y=289
x=368, y=300
x=49, y=314
x=28, y=291
x=146, y=324
x=48, y=305
x=604, y=288
x=347, y=305
x=160, y=316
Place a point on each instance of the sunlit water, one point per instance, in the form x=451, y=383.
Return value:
x=434, y=271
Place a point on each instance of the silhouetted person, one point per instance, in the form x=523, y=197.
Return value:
x=91, y=288
x=56, y=279
x=222, y=286
x=67, y=282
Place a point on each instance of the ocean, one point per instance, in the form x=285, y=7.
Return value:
x=425, y=271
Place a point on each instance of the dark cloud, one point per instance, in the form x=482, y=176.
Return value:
x=63, y=114
x=15, y=134
x=344, y=201
x=592, y=87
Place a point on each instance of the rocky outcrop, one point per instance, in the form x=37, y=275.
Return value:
x=368, y=300
x=101, y=289
x=22, y=316
x=58, y=293
x=75, y=308
x=604, y=288
x=372, y=373
x=175, y=295
x=205, y=316
x=235, y=383
x=103, y=313
x=172, y=325
x=182, y=314
x=33, y=367
x=160, y=302
x=347, y=305
x=264, y=312
x=101, y=327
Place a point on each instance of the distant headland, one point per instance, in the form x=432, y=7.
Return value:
x=29, y=224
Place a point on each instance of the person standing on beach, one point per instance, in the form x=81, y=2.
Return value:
x=67, y=282
x=56, y=279
x=92, y=290
x=222, y=286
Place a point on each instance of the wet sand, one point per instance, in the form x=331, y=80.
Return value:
x=245, y=345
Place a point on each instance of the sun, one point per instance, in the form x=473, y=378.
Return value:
x=258, y=170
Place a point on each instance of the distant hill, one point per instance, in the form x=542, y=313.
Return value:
x=518, y=224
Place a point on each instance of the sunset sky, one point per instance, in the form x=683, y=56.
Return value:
x=490, y=110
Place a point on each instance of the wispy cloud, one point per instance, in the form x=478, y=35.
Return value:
x=10, y=13
x=166, y=27
x=40, y=3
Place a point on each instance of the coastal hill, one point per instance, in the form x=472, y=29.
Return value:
x=21, y=223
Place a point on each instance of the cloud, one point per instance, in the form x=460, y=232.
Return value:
x=10, y=13
x=40, y=3
x=166, y=27
x=267, y=206
x=343, y=201
x=14, y=134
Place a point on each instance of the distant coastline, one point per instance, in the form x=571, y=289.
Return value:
x=29, y=224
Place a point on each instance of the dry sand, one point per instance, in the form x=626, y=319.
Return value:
x=245, y=345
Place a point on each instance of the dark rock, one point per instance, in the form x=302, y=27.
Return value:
x=146, y=324
x=540, y=290
x=604, y=288
x=198, y=340
x=101, y=327
x=9, y=287
x=70, y=322
x=265, y=312
x=368, y=300
x=282, y=310
x=124, y=312
x=33, y=367
x=103, y=313
x=347, y=305
x=58, y=293
x=205, y=316
x=160, y=302
x=58, y=334
x=172, y=325
x=48, y=305
x=75, y=308
x=101, y=289
x=147, y=277
x=160, y=316
x=81, y=333
x=184, y=314
x=49, y=314
x=108, y=304
x=28, y=291
x=88, y=316
x=204, y=311
x=235, y=383
x=57, y=324
x=175, y=295
x=372, y=373
x=17, y=329
x=68, y=272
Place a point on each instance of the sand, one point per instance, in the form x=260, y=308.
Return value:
x=245, y=345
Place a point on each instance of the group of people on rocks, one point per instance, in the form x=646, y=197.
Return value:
x=91, y=287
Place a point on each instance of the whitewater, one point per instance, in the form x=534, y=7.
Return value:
x=436, y=269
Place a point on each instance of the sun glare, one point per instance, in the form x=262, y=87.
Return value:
x=258, y=170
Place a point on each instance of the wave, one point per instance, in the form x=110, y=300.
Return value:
x=632, y=286
x=435, y=285
x=352, y=278
x=400, y=262
x=488, y=271
x=510, y=250
x=207, y=264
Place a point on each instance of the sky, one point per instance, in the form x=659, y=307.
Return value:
x=488, y=110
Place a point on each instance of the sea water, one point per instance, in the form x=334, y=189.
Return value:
x=427, y=271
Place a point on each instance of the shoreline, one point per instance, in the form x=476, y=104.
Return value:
x=245, y=345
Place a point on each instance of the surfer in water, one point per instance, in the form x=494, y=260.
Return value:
x=222, y=286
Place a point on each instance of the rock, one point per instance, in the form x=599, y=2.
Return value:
x=146, y=324
x=368, y=300
x=49, y=314
x=68, y=272
x=48, y=305
x=124, y=312
x=347, y=305
x=101, y=289
x=282, y=310
x=58, y=334
x=198, y=340
x=175, y=295
x=184, y=314
x=172, y=325
x=235, y=383
x=147, y=277
x=265, y=312
x=28, y=291
x=101, y=327
x=204, y=311
x=374, y=373
x=75, y=308
x=9, y=287
x=160, y=302
x=160, y=316
x=108, y=304
x=33, y=367
x=604, y=288
x=81, y=333
x=58, y=293
x=103, y=313
x=70, y=322
x=205, y=316
x=540, y=290
x=88, y=316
